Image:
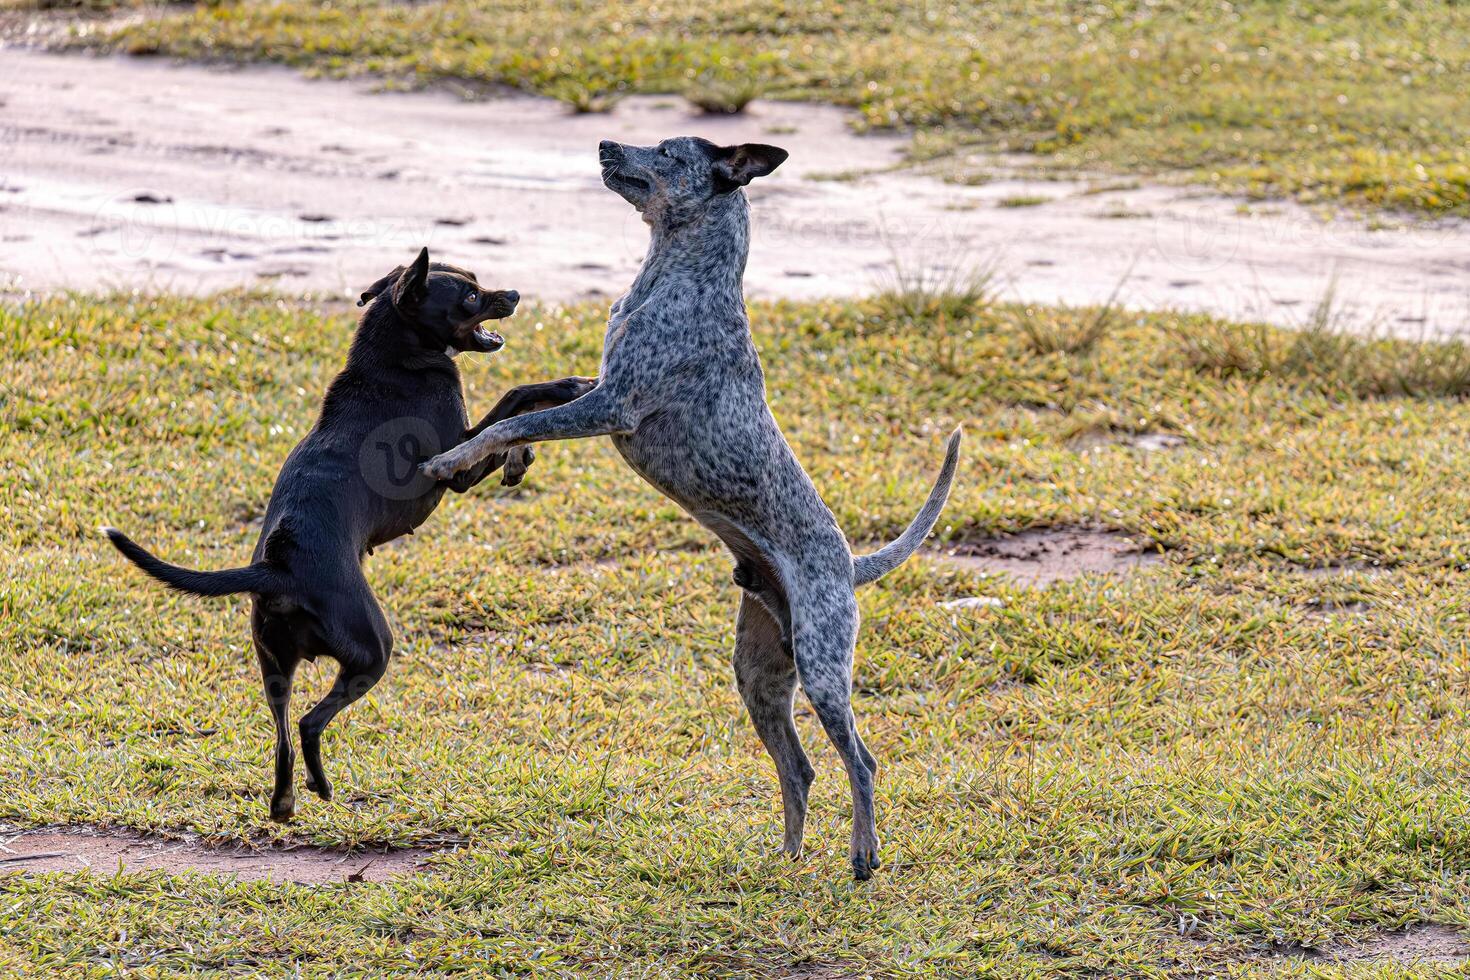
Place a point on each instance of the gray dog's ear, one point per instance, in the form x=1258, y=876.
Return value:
x=736, y=166
x=372, y=292
x=413, y=285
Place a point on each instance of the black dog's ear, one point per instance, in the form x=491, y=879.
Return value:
x=372, y=292
x=736, y=166
x=413, y=285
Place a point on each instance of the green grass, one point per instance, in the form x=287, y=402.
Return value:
x=1068, y=781
x=1354, y=101
x=1023, y=201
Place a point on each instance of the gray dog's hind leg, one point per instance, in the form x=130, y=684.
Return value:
x=826, y=630
x=766, y=678
x=757, y=587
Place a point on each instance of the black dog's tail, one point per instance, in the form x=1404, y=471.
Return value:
x=259, y=578
x=868, y=568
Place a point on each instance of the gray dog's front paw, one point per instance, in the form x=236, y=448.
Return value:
x=444, y=466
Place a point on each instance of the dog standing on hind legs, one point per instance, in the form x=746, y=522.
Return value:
x=352, y=484
x=682, y=395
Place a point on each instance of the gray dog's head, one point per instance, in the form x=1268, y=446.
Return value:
x=680, y=179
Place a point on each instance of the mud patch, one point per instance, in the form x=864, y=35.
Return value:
x=1341, y=596
x=974, y=602
x=1417, y=944
x=816, y=971
x=587, y=566
x=778, y=967
x=1147, y=442
x=104, y=851
x=1339, y=569
x=1040, y=557
x=1336, y=608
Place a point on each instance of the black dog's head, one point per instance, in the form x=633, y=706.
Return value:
x=680, y=179
x=444, y=305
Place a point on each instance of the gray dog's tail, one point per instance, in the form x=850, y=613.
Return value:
x=869, y=568
x=259, y=578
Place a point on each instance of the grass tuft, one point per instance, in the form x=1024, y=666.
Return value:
x=1022, y=201
x=1328, y=354
x=917, y=289
x=723, y=96
x=582, y=98
x=1072, y=331
x=1064, y=330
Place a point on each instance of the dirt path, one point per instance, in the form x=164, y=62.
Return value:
x=103, y=851
x=1058, y=554
x=137, y=173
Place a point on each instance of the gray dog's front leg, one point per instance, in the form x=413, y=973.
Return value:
x=519, y=400
x=600, y=412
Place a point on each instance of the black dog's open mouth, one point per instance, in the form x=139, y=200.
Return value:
x=474, y=336
x=485, y=341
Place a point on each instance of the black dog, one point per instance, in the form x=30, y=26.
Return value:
x=352, y=484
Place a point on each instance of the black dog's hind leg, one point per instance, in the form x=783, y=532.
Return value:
x=362, y=645
x=276, y=649
x=351, y=684
x=518, y=401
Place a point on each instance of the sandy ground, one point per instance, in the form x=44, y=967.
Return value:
x=1041, y=557
x=103, y=851
x=1425, y=943
x=137, y=173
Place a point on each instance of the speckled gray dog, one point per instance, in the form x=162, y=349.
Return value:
x=683, y=397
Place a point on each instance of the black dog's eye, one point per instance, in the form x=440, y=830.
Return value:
x=472, y=297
